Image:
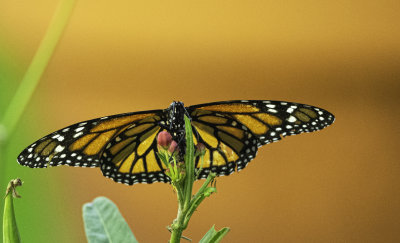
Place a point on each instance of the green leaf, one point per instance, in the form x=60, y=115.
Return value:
x=213, y=236
x=189, y=162
x=10, y=229
x=104, y=223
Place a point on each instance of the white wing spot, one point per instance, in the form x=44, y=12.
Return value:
x=59, y=148
x=289, y=110
x=79, y=129
x=292, y=119
x=78, y=134
x=272, y=111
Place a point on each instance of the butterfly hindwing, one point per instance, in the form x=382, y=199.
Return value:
x=131, y=157
x=227, y=142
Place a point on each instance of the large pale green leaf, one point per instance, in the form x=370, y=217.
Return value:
x=104, y=223
x=213, y=236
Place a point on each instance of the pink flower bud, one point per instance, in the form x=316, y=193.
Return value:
x=173, y=147
x=200, y=147
x=164, y=139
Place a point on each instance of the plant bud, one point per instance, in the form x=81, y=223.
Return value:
x=164, y=139
x=173, y=147
x=200, y=148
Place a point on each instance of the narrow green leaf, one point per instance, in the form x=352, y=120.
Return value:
x=213, y=236
x=189, y=162
x=104, y=223
x=10, y=229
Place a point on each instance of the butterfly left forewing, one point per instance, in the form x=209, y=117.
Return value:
x=80, y=144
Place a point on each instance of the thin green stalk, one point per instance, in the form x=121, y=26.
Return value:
x=177, y=230
x=38, y=65
x=210, y=177
x=184, y=203
x=187, y=203
x=31, y=78
x=203, y=192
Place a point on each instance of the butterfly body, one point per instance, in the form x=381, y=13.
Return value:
x=124, y=146
x=175, y=124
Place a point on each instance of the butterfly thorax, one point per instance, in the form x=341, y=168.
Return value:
x=176, y=123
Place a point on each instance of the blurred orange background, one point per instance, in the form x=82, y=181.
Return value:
x=341, y=184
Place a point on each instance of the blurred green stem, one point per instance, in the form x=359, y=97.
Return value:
x=31, y=78
x=38, y=65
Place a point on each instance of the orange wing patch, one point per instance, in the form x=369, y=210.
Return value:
x=268, y=119
x=206, y=133
x=233, y=131
x=97, y=144
x=309, y=112
x=120, y=121
x=42, y=145
x=232, y=108
x=213, y=119
x=254, y=125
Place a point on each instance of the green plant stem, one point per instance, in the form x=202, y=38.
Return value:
x=187, y=203
x=38, y=65
x=35, y=70
x=177, y=228
x=185, y=193
x=31, y=78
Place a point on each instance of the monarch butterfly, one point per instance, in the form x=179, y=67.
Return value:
x=124, y=146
